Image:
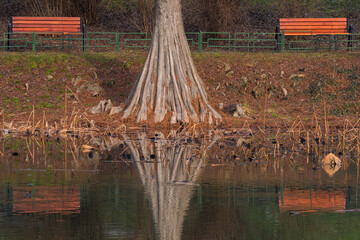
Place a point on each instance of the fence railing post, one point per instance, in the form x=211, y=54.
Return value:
x=116, y=42
x=33, y=42
x=235, y=43
x=62, y=42
x=283, y=40
x=68, y=42
x=200, y=42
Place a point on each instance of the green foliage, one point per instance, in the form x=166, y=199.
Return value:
x=43, y=104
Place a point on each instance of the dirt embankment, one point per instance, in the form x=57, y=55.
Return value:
x=274, y=89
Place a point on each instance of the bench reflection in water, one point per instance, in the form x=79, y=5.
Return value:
x=46, y=200
x=309, y=200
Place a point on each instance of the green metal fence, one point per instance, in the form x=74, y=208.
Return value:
x=199, y=41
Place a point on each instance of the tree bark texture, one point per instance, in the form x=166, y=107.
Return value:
x=169, y=87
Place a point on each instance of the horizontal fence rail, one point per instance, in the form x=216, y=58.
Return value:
x=198, y=41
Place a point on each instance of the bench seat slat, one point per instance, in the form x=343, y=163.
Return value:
x=314, y=33
x=46, y=18
x=340, y=28
x=312, y=19
x=45, y=26
x=47, y=22
x=313, y=26
x=17, y=30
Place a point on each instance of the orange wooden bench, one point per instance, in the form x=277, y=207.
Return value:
x=46, y=25
x=313, y=26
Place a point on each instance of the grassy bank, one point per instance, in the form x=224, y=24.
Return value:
x=275, y=89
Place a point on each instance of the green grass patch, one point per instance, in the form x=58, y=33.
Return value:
x=43, y=104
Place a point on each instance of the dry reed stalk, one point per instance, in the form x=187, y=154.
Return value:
x=2, y=113
x=275, y=152
x=43, y=146
x=72, y=124
x=261, y=130
x=340, y=141
x=36, y=125
x=351, y=149
x=3, y=150
x=355, y=124
x=33, y=150
x=33, y=120
x=246, y=123
x=297, y=123
x=73, y=154
x=76, y=97
x=308, y=142
x=358, y=146
x=76, y=148
x=344, y=137
x=65, y=113
x=40, y=146
x=326, y=124
x=43, y=120
x=347, y=121
x=122, y=126
x=28, y=147
x=28, y=121
x=3, y=146
x=71, y=115
x=91, y=123
x=75, y=122
x=265, y=106
x=277, y=133
x=316, y=150
x=65, y=157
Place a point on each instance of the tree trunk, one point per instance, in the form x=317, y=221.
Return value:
x=169, y=86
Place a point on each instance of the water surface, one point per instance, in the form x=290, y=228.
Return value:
x=151, y=188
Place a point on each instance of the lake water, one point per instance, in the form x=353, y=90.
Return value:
x=148, y=188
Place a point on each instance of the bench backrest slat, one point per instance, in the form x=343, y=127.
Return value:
x=46, y=24
x=313, y=26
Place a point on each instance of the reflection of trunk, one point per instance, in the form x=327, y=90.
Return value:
x=168, y=171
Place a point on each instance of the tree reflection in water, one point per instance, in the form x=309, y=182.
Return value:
x=168, y=170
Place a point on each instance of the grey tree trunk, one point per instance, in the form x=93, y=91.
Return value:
x=169, y=87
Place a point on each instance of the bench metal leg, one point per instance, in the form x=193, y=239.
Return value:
x=9, y=37
x=351, y=39
x=277, y=38
x=83, y=37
